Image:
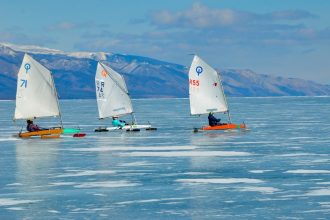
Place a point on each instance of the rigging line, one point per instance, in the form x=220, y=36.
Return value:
x=58, y=103
x=37, y=65
x=223, y=95
x=115, y=81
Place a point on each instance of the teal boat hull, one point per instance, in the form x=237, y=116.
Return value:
x=70, y=130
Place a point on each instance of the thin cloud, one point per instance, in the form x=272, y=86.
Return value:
x=105, y=44
x=97, y=35
x=19, y=38
x=291, y=15
x=200, y=23
x=65, y=25
x=137, y=21
x=201, y=16
x=69, y=26
x=201, y=28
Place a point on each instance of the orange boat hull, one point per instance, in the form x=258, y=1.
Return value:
x=224, y=127
x=49, y=133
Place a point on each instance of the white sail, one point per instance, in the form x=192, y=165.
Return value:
x=205, y=89
x=111, y=93
x=36, y=95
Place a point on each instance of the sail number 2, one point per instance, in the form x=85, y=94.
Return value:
x=194, y=82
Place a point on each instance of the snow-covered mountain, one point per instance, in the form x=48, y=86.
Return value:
x=146, y=77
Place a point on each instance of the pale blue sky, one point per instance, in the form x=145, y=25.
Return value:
x=288, y=38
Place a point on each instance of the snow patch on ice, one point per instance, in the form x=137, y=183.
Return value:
x=106, y=184
x=11, y=201
x=301, y=171
x=100, y=194
x=161, y=148
x=157, y=200
x=219, y=181
x=16, y=208
x=319, y=192
x=186, y=154
x=323, y=183
x=265, y=190
x=8, y=139
x=298, y=155
x=325, y=204
x=137, y=164
x=87, y=173
x=53, y=211
x=260, y=171
x=197, y=173
x=63, y=184
x=15, y=184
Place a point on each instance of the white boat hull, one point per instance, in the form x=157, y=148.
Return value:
x=128, y=127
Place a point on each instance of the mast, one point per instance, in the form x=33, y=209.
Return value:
x=58, y=103
x=225, y=98
x=129, y=97
x=130, y=100
x=133, y=118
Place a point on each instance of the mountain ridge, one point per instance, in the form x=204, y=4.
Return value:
x=145, y=77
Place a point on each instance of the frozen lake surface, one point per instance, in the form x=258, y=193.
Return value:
x=278, y=170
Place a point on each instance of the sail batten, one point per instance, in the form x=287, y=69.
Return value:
x=205, y=89
x=36, y=96
x=111, y=93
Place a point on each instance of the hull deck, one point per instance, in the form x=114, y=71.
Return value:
x=126, y=128
x=48, y=133
x=224, y=127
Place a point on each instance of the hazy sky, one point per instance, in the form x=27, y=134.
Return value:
x=288, y=38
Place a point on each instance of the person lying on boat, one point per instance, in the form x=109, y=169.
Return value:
x=118, y=123
x=213, y=121
x=32, y=127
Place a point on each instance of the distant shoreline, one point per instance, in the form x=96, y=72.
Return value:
x=165, y=98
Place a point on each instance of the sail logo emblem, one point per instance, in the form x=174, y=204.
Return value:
x=199, y=70
x=27, y=67
x=104, y=73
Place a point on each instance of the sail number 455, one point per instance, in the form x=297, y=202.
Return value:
x=194, y=82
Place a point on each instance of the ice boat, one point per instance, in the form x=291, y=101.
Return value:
x=36, y=97
x=113, y=99
x=206, y=94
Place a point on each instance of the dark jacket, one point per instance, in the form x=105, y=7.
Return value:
x=213, y=120
x=32, y=127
